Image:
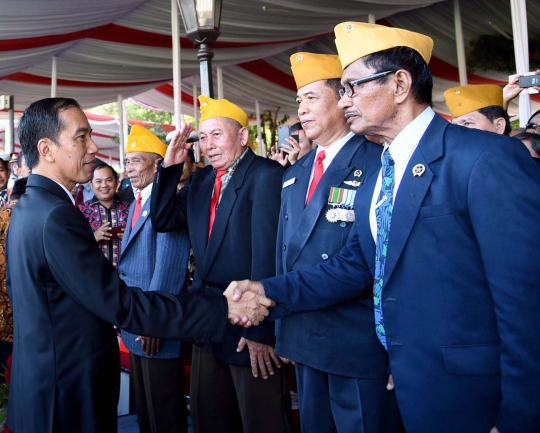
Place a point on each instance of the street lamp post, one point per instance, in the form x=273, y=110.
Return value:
x=201, y=20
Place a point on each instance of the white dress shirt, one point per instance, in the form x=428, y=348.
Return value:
x=401, y=150
x=66, y=190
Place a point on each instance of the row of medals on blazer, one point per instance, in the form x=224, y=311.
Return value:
x=342, y=199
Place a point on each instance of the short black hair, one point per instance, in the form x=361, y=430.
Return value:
x=19, y=188
x=4, y=163
x=335, y=85
x=493, y=112
x=42, y=120
x=411, y=61
x=296, y=127
x=533, y=138
x=536, y=113
x=104, y=165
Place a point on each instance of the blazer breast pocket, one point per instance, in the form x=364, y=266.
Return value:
x=436, y=210
x=473, y=360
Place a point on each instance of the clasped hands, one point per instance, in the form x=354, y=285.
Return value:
x=247, y=304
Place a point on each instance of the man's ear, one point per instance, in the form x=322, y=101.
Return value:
x=45, y=150
x=244, y=136
x=402, y=85
x=500, y=125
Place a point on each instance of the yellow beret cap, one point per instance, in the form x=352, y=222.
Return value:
x=308, y=68
x=211, y=108
x=141, y=139
x=357, y=40
x=466, y=99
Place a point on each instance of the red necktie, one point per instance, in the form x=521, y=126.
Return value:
x=317, y=174
x=215, y=199
x=79, y=199
x=136, y=211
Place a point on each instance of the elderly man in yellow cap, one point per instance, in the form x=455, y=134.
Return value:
x=341, y=369
x=232, y=214
x=153, y=261
x=478, y=106
x=445, y=238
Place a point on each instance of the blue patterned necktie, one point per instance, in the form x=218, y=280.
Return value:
x=383, y=214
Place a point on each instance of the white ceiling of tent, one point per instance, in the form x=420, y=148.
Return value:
x=109, y=47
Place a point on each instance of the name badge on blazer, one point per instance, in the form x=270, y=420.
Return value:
x=288, y=183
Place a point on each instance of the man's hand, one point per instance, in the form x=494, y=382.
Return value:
x=246, y=310
x=261, y=357
x=292, y=147
x=178, y=147
x=278, y=155
x=240, y=287
x=149, y=345
x=102, y=233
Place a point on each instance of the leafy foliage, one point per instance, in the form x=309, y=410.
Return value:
x=496, y=53
x=269, y=121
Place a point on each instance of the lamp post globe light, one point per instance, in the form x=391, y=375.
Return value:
x=201, y=20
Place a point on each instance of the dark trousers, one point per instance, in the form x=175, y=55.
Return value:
x=332, y=403
x=158, y=386
x=228, y=399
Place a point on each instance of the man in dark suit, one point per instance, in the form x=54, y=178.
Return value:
x=341, y=368
x=153, y=261
x=66, y=295
x=445, y=237
x=232, y=214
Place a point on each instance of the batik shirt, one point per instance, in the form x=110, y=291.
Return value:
x=96, y=214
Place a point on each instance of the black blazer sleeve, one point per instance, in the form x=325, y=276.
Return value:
x=168, y=209
x=86, y=276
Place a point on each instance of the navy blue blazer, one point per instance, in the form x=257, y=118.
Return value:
x=243, y=241
x=461, y=299
x=153, y=261
x=340, y=339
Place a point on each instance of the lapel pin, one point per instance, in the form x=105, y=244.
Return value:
x=418, y=170
x=357, y=173
x=145, y=213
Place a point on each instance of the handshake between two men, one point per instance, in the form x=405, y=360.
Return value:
x=247, y=304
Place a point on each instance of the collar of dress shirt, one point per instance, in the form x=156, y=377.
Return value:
x=332, y=150
x=66, y=190
x=145, y=193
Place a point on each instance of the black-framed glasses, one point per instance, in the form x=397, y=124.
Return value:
x=348, y=88
x=532, y=126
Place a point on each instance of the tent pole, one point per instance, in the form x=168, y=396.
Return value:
x=53, y=78
x=177, y=80
x=121, y=131
x=196, y=147
x=460, y=45
x=220, y=82
x=262, y=147
x=521, y=51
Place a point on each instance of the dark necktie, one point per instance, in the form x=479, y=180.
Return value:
x=79, y=199
x=136, y=211
x=215, y=199
x=317, y=174
x=383, y=214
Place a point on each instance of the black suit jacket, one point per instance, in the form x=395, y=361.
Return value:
x=339, y=339
x=65, y=295
x=243, y=241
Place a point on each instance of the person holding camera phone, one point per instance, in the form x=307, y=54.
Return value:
x=106, y=213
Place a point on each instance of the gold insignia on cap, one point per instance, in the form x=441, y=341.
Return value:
x=466, y=99
x=204, y=104
x=349, y=28
x=308, y=68
x=418, y=170
x=357, y=173
x=133, y=144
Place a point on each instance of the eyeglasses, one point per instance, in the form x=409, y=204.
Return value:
x=348, y=88
x=531, y=126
